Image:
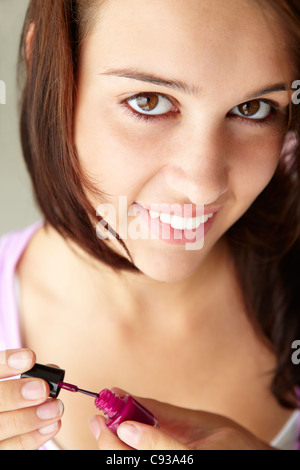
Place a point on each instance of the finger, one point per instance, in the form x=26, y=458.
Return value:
x=33, y=440
x=22, y=393
x=105, y=438
x=15, y=362
x=24, y=421
x=143, y=437
x=180, y=423
x=167, y=414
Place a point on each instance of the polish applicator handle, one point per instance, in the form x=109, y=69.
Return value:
x=52, y=375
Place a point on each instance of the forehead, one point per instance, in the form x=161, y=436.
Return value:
x=228, y=40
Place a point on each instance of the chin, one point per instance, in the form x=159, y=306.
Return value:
x=167, y=266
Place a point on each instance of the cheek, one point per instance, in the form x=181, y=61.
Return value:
x=119, y=161
x=254, y=165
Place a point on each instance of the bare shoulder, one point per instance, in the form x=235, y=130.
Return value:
x=54, y=269
x=35, y=262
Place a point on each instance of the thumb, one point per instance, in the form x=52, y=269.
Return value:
x=144, y=437
x=106, y=440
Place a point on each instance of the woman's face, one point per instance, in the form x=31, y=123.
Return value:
x=179, y=102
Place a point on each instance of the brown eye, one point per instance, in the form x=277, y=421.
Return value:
x=249, y=109
x=255, y=110
x=150, y=103
x=147, y=103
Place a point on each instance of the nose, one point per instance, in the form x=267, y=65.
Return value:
x=197, y=167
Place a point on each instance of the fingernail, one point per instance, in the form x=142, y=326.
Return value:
x=49, y=429
x=129, y=433
x=33, y=390
x=95, y=427
x=20, y=360
x=50, y=410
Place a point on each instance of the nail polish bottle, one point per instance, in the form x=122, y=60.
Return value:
x=117, y=409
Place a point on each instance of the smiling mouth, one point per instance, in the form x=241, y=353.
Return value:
x=177, y=224
x=181, y=223
x=180, y=217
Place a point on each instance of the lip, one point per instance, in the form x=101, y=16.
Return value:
x=166, y=233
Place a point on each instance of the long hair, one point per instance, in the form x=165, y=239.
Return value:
x=47, y=110
x=264, y=242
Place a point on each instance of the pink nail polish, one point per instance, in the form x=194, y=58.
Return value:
x=117, y=409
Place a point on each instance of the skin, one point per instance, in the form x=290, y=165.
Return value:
x=203, y=155
x=194, y=157
x=35, y=419
x=180, y=429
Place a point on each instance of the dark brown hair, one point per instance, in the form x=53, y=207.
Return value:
x=47, y=108
x=264, y=242
x=266, y=245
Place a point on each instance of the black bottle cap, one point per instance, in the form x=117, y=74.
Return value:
x=52, y=375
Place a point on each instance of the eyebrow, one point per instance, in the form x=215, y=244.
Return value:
x=135, y=74
x=270, y=89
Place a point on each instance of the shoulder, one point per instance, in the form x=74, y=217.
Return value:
x=13, y=244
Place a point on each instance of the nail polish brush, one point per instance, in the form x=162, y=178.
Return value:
x=117, y=409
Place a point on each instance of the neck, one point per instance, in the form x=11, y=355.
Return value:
x=140, y=297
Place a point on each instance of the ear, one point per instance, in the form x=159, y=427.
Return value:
x=28, y=43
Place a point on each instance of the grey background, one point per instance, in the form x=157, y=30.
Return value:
x=17, y=206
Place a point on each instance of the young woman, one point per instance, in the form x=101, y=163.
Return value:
x=162, y=142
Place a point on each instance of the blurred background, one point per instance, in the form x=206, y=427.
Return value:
x=17, y=206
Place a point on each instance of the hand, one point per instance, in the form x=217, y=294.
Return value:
x=27, y=418
x=180, y=429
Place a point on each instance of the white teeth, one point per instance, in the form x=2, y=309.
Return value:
x=194, y=223
x=165, y=218
x=178, y=222
x=154, y=215
x=181, y=223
